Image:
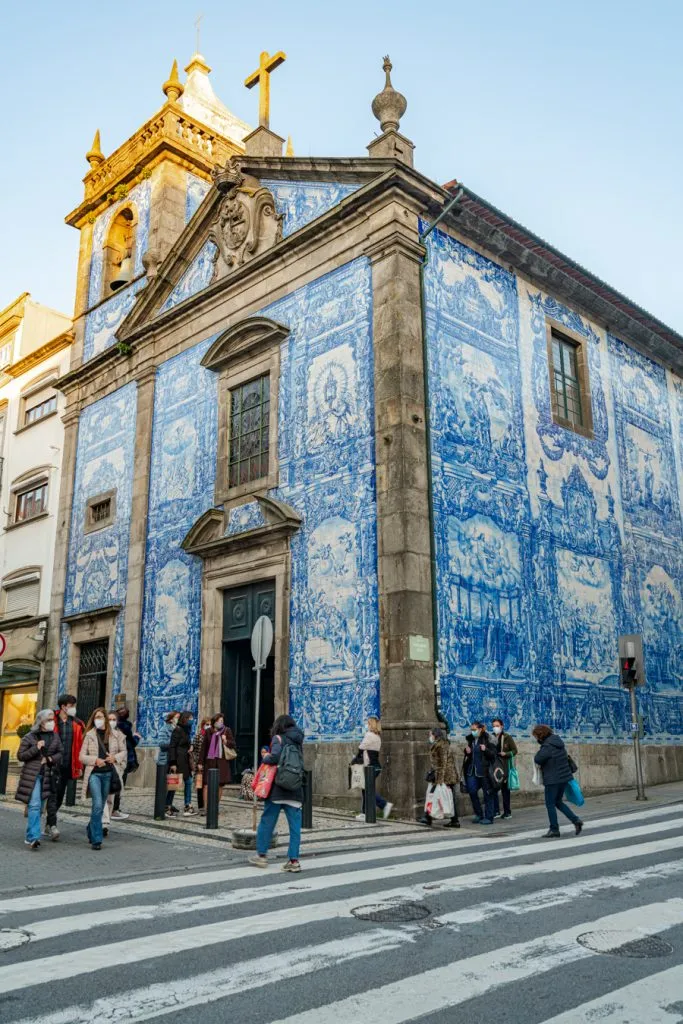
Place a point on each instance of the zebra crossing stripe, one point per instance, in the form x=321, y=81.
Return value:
x=656, y=999
x=93, y=958
x=466, y=980
x=125, y=890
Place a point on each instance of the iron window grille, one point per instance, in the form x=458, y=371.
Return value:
x=249, y=431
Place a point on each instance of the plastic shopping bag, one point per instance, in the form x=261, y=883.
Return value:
x=356, y=776
x=439, y=802
x=537, y=777
x=263, y=780
x=572, y=793
x=513, y=775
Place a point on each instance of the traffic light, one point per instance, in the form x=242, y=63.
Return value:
x=628, y=672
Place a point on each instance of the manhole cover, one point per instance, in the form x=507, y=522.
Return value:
x=387, y=913
x=10, y=938
x=632, y=944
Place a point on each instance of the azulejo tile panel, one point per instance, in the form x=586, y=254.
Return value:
x=182, y=476
x=197, y=277
x=139, y=199
x=103, y=322
x=531, y=604
x=97, y=570
x=302, y=201
x=196, y=191
x=245, y=517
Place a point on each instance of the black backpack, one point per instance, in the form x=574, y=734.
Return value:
x=290, y=766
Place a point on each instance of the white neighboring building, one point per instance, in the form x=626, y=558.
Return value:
x=35, y=349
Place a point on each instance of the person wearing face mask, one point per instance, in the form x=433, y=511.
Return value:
x=40, y=753
x=132, y=739
x=217, y=751
x=442, y=772
x=165, y=734
x=71, y=730
x=205, y=724
x=507, y=748
x=117, y=747
x=102, y=754
x=480, y=753
x=553, y=760
x=180, y=756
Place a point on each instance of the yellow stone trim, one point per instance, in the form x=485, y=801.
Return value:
x=17, y=317
x=50, y=348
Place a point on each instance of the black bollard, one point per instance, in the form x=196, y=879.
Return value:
x=70, y=795
x=307, y=810
x=212, y=798
x=370, y=808
x=160, y=793
x=4, y=768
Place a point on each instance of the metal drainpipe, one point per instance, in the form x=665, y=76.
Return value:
x=428, y=439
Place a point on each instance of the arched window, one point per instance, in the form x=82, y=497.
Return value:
x=119, y=252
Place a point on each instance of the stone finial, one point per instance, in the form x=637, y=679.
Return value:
x=95, y=156
x=389, y=106
x=173, y=87
x=290, y=148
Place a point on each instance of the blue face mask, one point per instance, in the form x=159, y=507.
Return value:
x=475, y=733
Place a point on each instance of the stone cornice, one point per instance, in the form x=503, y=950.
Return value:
x=170, y=133
x=50, y=348
x=111, y=610
x=381, y=247
x=246, y=338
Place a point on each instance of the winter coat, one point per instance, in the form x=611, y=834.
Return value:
x=223, y=765
x=371, y=744
x=553, y=761
x=179, y=751
x=78, y=732
x=278, y=795
x=165, y=734
x=90, y=751
x=131, y=743
x=31, y=757
x=196, y=750
x=507, y=748
x=488, y=756
x=443, y=764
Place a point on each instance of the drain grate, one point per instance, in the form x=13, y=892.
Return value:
x=10, y=938
x=631, y=944
x=392, y=913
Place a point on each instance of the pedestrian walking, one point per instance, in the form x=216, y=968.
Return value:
x=217, y=751
x=507, y=749
x=553, y=760
x=101, y=754
x=480, y=753
x=40, y=753
x=286, y=751
x=132, y=764
x=117, y=747
x=370, y=746
x=196, y=751
x=443, y=772
x=180, y=757
x=165, y=734
x=71, y=731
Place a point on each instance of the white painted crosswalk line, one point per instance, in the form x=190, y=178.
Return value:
x=65, y=925
x=164, y=883
x=655, y=1000
x=308, y=884
x=466, y=980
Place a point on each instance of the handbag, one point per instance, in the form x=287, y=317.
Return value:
x=513, y=776
x=173, y=780
x=356, y=776
x=246, y=792
x=229, y=753
x=496, y=773
x=537, y=777
x=263, y=780
x=115, y=784
x=199, y=780
x=573, y=794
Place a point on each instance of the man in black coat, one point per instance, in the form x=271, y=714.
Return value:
x=480, y=753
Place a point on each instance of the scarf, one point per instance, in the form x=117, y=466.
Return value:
x=215, y=746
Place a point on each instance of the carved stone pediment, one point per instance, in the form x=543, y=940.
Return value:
x=246, y=221
x=258, y=520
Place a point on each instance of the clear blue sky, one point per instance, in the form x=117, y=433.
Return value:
x=567, y=116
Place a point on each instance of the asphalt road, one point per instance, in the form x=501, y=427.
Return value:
x=501, y=926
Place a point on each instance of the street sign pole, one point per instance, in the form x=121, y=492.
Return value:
x=635, y=729
x=261, y=644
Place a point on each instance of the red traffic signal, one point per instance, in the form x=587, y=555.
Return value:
x=628, y=672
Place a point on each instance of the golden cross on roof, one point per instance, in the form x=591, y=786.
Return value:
x=261, y=77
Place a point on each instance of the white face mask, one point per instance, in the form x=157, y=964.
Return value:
x=71, y=711
x=219, y=724
x=497, y=729
x=48, y=726
x=113, y=723
x=99, y=723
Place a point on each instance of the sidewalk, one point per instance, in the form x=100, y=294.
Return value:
x=338, y=830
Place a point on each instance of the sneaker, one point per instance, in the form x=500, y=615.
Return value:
x=259, y=861
x=497, y=815
x=360, y=817
x=120, y=815
x=550, y=834
x=188, y=812
x=388, y=808
x=105, y=831
x=486, y=821
x=292, y=865
x=476, y=820
x=33, y=843
x=425, y=821
x=507, y=816
x=96, y=846
x=453, y=823
x=172, y=812
x=578, y=827
x=53, y=833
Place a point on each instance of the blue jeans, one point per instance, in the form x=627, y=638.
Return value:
x=474, y=784
x=271, y=812
x=555, y=803
x=188, y=791
x=35, y=807
x=99, y=785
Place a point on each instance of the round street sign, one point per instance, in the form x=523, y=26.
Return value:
x=261, y=641
x=3, y=645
